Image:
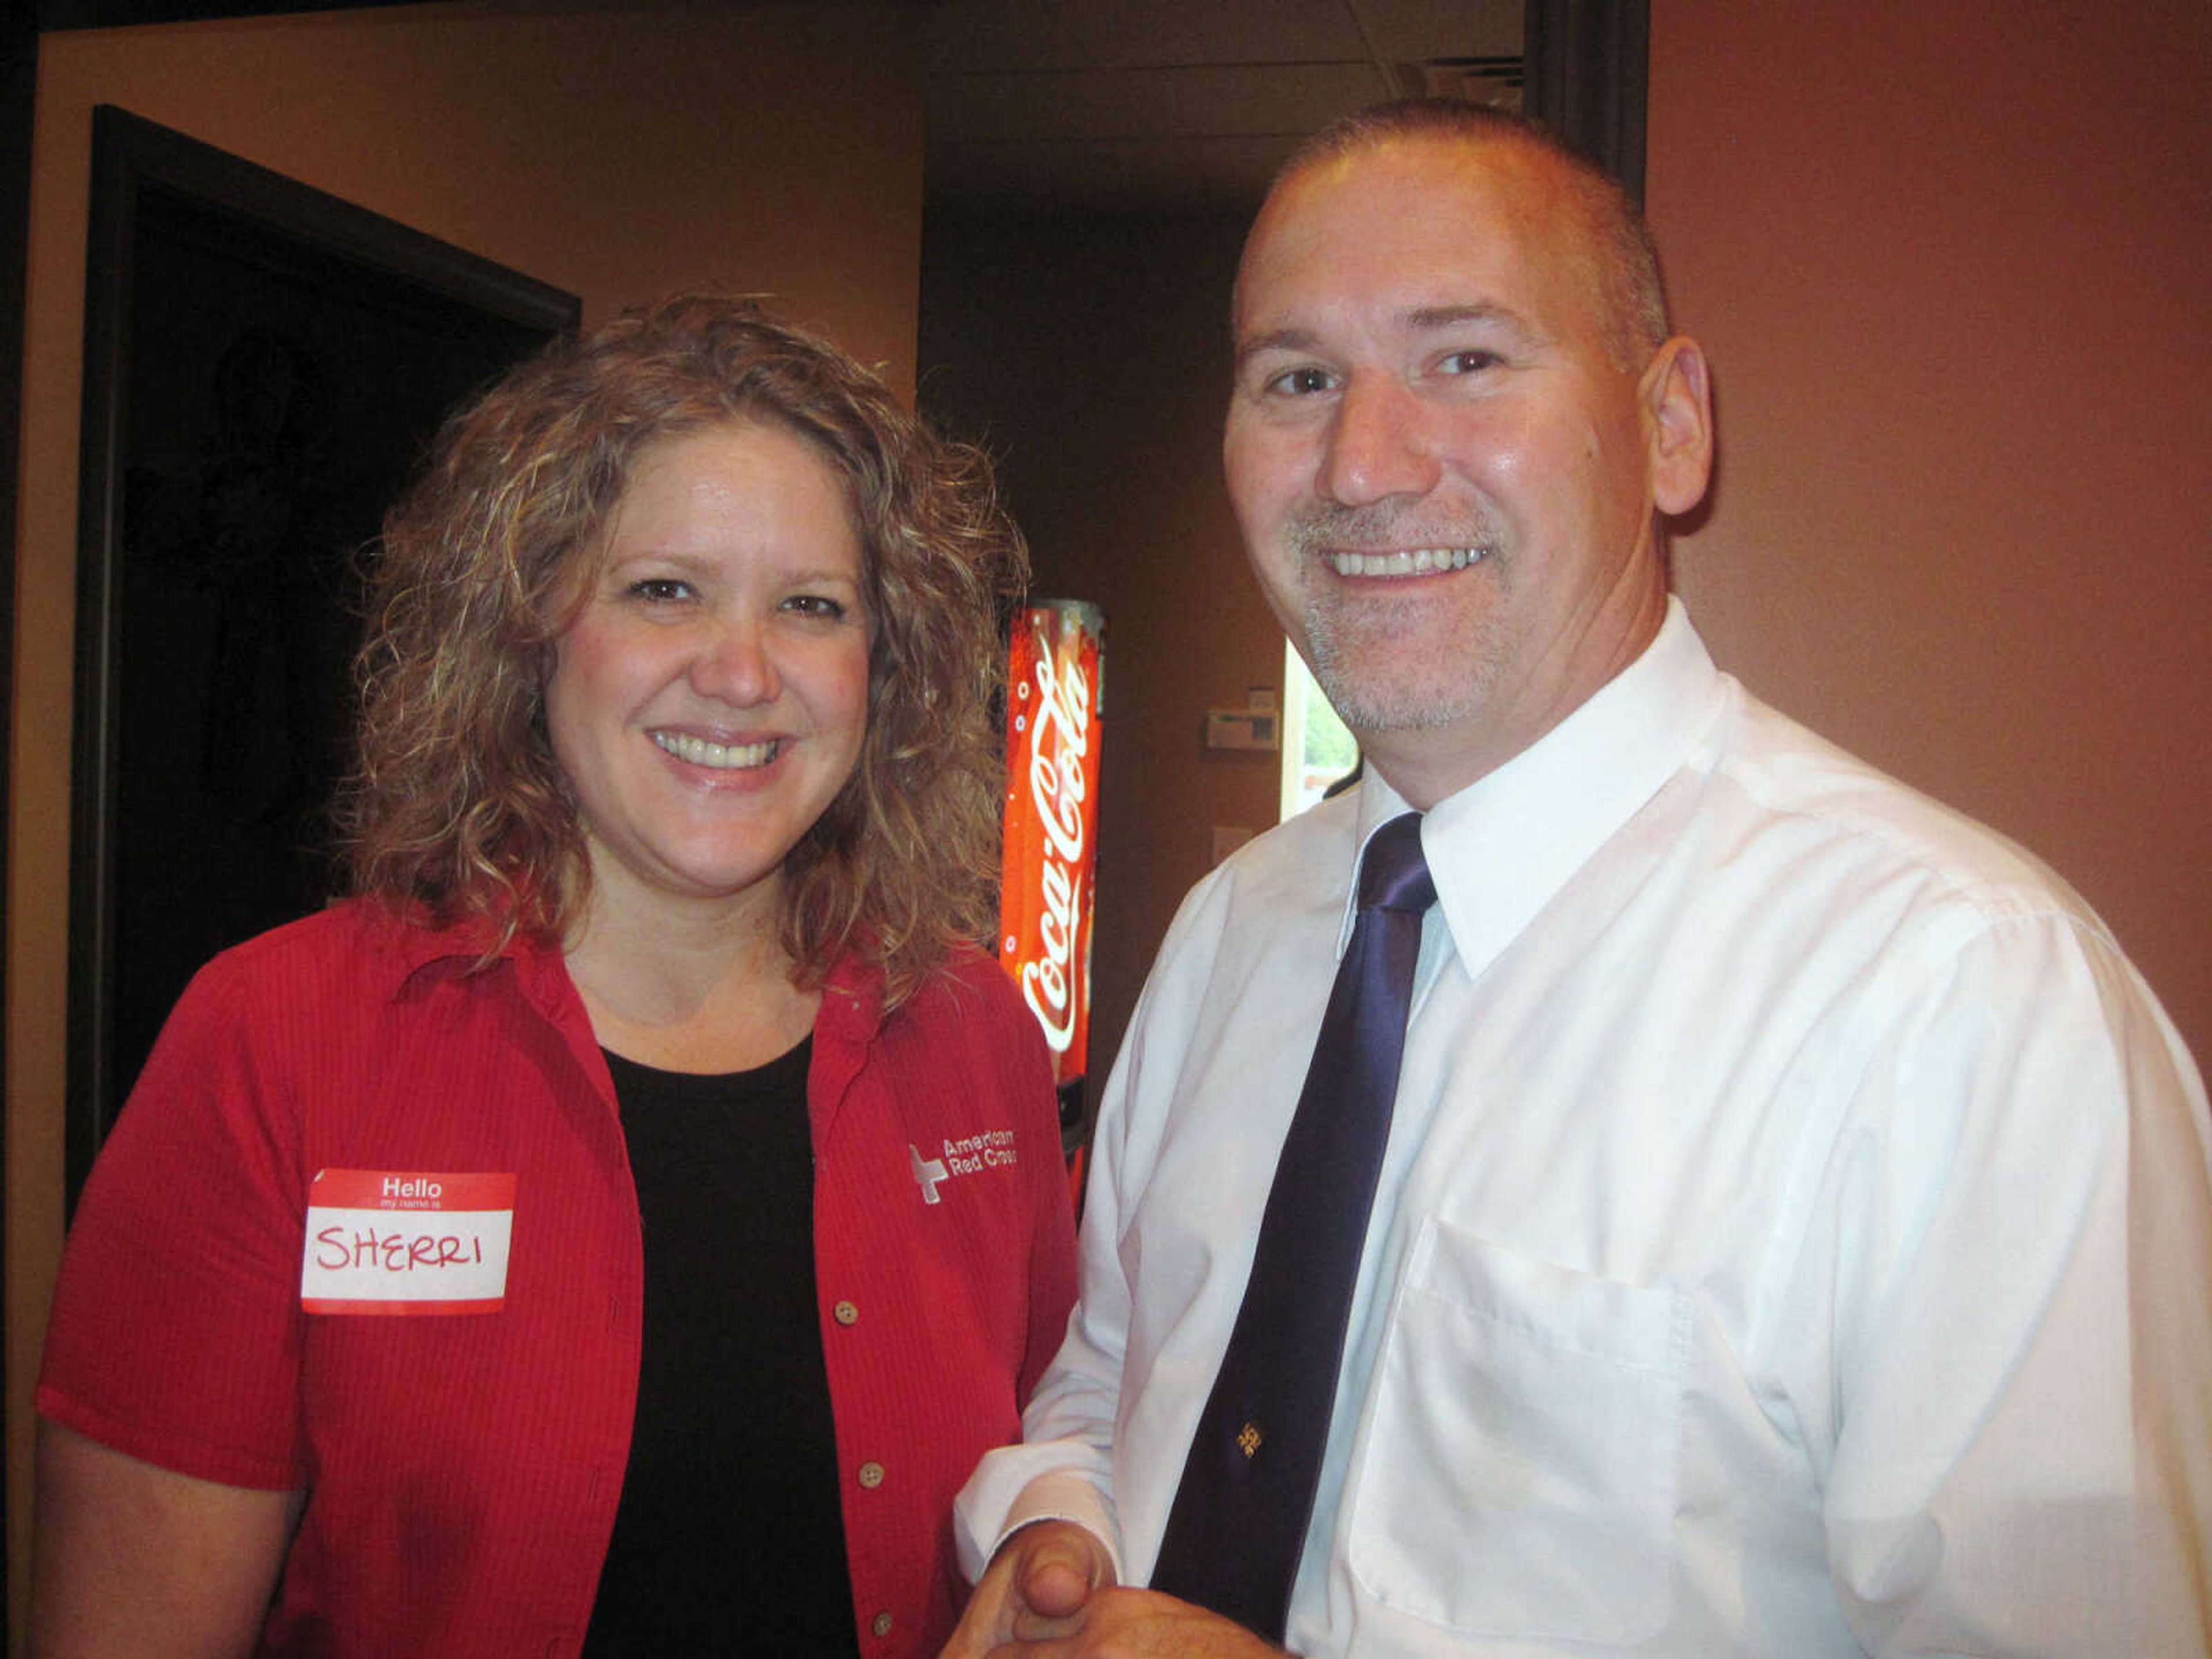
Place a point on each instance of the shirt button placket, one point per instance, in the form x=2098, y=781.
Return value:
x=870, y=1474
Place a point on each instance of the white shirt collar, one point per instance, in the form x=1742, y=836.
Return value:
x=1500, y=849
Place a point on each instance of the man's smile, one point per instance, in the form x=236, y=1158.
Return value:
x=1418, y=561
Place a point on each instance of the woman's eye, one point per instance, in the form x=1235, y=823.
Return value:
x=815, y=605
x=659, y=589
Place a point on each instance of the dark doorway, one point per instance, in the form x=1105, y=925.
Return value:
x=265, y=368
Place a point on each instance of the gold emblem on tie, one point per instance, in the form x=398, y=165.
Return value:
x=1247, y=1438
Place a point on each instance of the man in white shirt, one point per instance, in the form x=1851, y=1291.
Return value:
x=1795, y=1236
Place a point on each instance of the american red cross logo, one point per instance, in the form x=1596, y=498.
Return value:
x=928, y=1172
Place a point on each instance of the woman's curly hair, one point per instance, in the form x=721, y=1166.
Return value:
x=455, y=805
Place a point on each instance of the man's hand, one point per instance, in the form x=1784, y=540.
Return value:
x=1036, y=1588
x=1140, y=1624
x=1050, y=1594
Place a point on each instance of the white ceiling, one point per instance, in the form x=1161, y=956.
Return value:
x=1101, y=107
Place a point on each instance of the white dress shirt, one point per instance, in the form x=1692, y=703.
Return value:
x=1795, y=1239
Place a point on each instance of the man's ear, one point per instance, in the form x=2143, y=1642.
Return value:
x=1676, y=396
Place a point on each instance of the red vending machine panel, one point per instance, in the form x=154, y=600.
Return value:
x=1053, y=701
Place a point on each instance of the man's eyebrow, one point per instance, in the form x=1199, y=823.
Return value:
x=1422, y=319
x=1277, y=339
x=1428, y=319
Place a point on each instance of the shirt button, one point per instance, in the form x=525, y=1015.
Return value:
x=881, y=1624
x=871, y=1475
x=846, y=1313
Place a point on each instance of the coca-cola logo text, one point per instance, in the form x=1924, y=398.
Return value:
x=1059, y=739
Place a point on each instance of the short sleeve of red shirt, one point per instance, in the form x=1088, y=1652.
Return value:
x=176, y=1332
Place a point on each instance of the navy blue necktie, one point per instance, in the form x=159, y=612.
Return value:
x=1238, y=1524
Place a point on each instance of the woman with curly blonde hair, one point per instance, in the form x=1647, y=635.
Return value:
x=620, y=1225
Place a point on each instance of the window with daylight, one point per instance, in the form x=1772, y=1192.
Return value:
x=1317, y=749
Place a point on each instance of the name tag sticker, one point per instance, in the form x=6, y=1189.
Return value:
x=406, y=1242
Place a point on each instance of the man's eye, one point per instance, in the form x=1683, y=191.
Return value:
x=1473, y=360
x=1302, y=382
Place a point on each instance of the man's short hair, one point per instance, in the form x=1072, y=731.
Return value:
x=1629, y=288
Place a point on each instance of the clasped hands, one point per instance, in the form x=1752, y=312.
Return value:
x=1050, y=1594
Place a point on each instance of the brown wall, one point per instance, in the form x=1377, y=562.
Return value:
x=618, y=155
x=1950, y=262
x=1093, y=360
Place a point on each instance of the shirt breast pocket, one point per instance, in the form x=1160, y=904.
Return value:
x=1518, y=1473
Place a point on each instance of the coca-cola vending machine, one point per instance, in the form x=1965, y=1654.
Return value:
x=1052, y=703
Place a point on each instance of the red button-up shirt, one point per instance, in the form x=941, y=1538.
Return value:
x=463, y=1469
